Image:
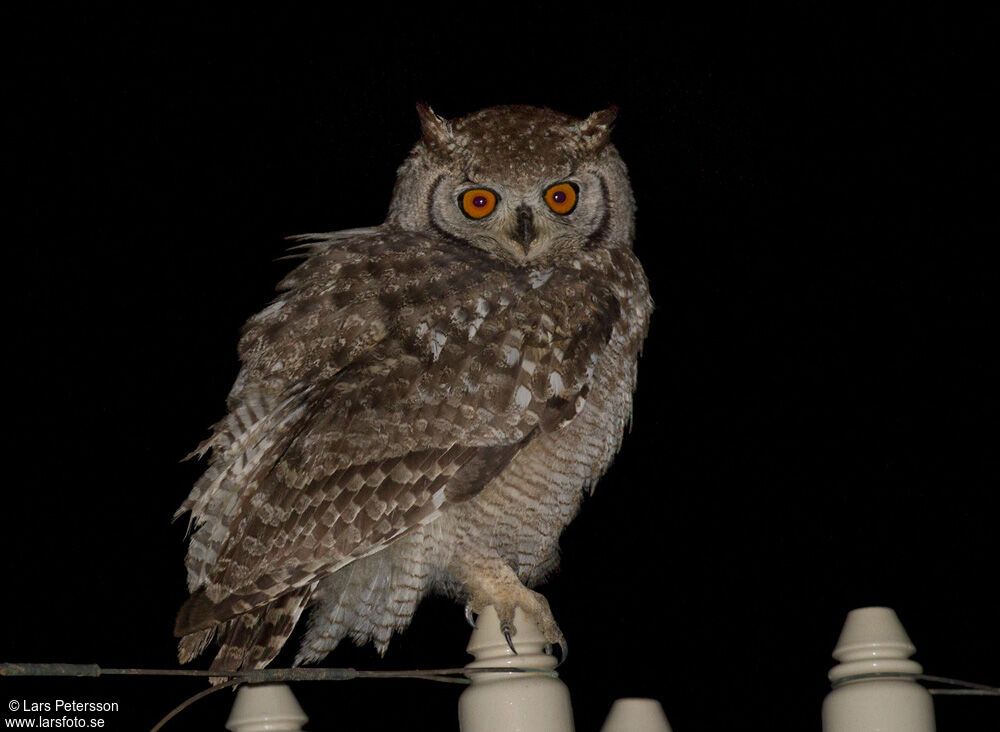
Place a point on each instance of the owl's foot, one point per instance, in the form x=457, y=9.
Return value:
x=533, y=604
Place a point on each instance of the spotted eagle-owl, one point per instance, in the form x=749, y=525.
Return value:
x=425, y=402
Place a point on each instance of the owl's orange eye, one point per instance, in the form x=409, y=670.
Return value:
x=478, y=203
x=562, y=197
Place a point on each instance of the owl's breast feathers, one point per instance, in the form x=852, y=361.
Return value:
x=394, y=376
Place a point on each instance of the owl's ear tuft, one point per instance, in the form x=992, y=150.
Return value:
x=596, y=129
x=438, y=135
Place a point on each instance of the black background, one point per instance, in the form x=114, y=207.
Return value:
x=813, y=428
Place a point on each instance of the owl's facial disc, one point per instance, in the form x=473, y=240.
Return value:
x=521, y=224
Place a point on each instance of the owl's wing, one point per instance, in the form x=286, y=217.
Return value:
x=396, y=377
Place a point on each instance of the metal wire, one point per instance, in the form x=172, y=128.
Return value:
x=265, y=675
x=970, y=689
x=189, y=701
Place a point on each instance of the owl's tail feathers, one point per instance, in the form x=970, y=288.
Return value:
x=191, y=646
x=198, y=613
x=248, y=641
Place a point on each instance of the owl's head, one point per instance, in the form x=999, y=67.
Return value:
x=527, y=185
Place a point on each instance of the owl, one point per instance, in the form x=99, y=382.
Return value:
x=425, y=402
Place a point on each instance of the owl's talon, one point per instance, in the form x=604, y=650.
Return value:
x=508, y=631
x=563, y=651
x=469, y=615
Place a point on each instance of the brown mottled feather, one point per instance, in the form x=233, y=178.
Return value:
x=400, y=400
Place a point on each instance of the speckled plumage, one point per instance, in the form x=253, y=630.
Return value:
x=424, y=403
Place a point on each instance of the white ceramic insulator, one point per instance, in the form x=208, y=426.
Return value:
x=512, y=701
x=266, y=708
x=636, y=715
x=874, y=685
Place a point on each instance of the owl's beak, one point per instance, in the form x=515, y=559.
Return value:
x=524, y=228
